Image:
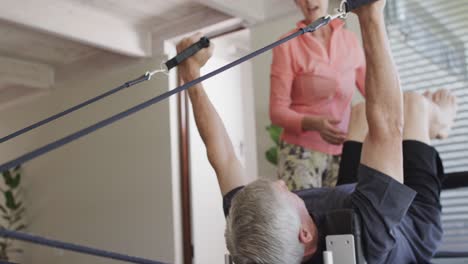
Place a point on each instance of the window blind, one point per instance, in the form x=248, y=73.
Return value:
x=429, y=42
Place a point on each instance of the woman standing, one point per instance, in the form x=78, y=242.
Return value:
x=313, y=79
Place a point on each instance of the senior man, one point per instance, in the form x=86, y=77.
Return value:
x=399, y=174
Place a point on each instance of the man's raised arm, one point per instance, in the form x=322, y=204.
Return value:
x=219, y=147
x=382, y=149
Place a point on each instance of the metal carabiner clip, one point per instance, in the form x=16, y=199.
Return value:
x=340, y=12
x=163, y=69
x=342, y=9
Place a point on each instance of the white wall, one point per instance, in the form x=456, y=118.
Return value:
x=263, y=35
x=111, y=189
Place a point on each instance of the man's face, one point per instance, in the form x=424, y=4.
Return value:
x=308, y=233
x=313, y=9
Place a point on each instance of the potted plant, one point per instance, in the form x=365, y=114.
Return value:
x=12, y=211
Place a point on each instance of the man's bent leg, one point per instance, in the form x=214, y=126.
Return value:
x=421, y=168
x=351, y=155
x=417, y=118
x=423, y=171
x=357, y=129
x=426, y=118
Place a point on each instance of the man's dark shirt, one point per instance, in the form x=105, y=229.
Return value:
x=394, y=229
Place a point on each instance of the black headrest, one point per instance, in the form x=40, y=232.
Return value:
x=345, y=222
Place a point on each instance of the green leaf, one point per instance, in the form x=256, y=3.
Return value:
x=14, y=183
x=7, y=176
x=18, y=205
x=275, y=133
x=272, y=155
x=10, y=200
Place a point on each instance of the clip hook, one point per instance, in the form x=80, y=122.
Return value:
x=204, y=42
x=163, y=69
x=342, y=10
x=342, y=7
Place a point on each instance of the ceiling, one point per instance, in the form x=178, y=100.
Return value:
x=39, y=38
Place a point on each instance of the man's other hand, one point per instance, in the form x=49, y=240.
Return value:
x=371, y=9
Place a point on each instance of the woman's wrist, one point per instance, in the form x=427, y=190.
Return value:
x=311, y=123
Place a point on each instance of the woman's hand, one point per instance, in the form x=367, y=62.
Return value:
x=326, y=127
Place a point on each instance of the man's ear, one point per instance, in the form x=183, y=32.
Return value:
x=305, y=236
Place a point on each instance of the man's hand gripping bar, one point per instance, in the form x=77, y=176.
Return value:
x=352, y=5
x=204, y=42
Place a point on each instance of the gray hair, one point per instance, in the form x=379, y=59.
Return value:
x=262, y=228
